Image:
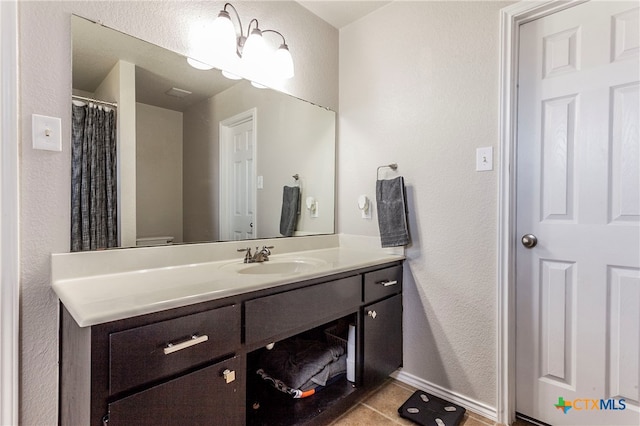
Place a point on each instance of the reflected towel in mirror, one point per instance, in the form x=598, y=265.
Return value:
x=290, y=209
x=392, y=212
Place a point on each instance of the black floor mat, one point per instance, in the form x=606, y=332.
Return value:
x=428, y=410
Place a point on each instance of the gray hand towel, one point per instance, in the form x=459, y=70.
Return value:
x=289, y=215
x=392, y=212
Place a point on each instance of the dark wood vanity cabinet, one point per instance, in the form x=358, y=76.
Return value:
x=280, y=315
x=181, y=366
x=382, y=324
x=382, y=340
x=194, y=365
x=202, y=397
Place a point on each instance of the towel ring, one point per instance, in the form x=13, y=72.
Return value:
x=392, y=166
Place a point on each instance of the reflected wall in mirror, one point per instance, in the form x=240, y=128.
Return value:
x=201, y=157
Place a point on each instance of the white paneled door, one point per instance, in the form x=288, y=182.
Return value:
x=238, y=190
x=242, y=194
x=578, y=204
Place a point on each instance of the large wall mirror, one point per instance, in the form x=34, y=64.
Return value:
x=200, y=157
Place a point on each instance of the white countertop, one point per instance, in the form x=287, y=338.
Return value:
x=112, y=294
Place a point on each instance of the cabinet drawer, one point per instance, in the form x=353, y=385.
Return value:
x=299, y=309
x=203, y=397
x=159, y=350
x=382, y=283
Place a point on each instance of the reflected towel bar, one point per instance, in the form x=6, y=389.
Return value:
x=392, y=166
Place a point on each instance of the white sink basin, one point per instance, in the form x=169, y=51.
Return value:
x=276, y=267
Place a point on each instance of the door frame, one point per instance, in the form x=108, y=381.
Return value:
x=223, y=193
x=10, y=219
x=511, y=18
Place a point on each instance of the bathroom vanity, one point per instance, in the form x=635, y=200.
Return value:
x=195, y=363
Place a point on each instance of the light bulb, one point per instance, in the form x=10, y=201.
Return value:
x=283, y=62
x=230, y=75
x=223, y=38
x=255, y=49
x=199, y=65
x=200, y=38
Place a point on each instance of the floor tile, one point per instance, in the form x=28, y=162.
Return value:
x=361, y=416
x=380, y=408
x=387, y=400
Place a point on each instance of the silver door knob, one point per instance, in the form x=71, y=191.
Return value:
x=529, y=241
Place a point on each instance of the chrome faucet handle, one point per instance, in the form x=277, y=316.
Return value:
x=247, y=256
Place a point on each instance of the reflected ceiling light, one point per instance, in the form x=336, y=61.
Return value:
x=230, y=75
x=199, y=65
x=250, y=50
x=258, y=85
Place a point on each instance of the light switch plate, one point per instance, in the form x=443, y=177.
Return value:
x=484, y=159
x=46, y=132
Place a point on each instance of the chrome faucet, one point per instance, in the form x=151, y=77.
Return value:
x=247, y=256
x=262, y=255
x=259, y=256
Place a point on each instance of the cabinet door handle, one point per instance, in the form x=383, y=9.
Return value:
x=387, y=283
x=229, y=375
x=194, y=340
x=372, y=314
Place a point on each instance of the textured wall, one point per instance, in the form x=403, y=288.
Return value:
x=45, y=88
x=419, y=86
x=159, y=172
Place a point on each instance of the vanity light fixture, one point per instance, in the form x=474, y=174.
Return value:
x=199, y=65
x=248, y=51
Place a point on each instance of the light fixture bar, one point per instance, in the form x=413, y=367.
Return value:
x=251, y=49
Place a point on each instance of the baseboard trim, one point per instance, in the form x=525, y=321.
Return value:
x=436, y=390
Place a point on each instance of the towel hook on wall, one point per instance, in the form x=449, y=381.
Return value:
x=392, y=166
x=296, y=177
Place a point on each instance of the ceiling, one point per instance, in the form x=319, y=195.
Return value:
x=340, y=13
x=96, y=49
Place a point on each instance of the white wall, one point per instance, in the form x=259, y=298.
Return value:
x=419, y=86
x=120, y=86
x=200, y=173
x=159, y=172
x=45, y=88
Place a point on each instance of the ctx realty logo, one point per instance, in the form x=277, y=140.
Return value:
x=590, y=404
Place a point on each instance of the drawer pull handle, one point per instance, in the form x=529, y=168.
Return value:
x=229, y=376
x=194, y=340
x=387, y=283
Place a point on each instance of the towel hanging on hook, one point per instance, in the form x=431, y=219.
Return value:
x=392, y=209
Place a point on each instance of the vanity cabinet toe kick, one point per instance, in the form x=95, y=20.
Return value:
x=189, y=365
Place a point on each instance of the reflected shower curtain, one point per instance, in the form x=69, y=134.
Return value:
x=94, y=221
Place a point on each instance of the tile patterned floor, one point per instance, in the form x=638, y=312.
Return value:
x=381, y=408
